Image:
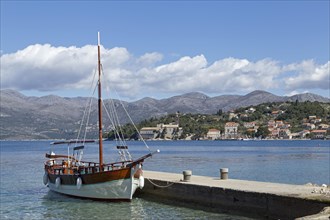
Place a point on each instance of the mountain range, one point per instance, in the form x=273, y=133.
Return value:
x=49, y=117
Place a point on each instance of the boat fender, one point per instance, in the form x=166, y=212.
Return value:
x=79, y=183
x=141, y=182
x=57, y=182
x=45, y=179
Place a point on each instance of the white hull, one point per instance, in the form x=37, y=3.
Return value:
x=122, y=189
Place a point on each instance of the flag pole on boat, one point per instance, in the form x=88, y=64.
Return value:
x=100, y=103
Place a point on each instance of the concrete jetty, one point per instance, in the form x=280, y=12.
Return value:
x=250, y=198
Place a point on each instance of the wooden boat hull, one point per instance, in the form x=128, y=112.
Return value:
x=110, y=185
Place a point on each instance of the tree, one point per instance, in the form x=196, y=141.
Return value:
x=262, y=132
x=219, y=112
x=250, y=133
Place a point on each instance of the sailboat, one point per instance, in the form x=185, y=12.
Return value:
x=70, y=175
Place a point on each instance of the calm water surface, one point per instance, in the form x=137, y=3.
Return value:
x=23, y=195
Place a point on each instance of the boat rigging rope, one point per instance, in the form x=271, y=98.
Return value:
x=168, y=185
x=89, y=113
x=122, y=152
x=85, y=110
x=134, y=126
x=113, y=123
x=114, y=119
x=131, y=120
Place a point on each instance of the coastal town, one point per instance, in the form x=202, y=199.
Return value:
x=277, y=130
x=236, y=125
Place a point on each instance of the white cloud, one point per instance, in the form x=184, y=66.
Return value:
x=232, y=75
x=150, y=58
x=117, y=56
x=48, y=68
x=308, y=75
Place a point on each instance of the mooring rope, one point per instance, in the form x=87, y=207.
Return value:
x=160, y=185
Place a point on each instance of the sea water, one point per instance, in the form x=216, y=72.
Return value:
x=23, y=195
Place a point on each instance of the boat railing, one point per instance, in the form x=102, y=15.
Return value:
x=62, y=165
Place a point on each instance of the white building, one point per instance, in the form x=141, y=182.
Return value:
x=164, y=131
x=231, y=130
x=213, y=134
x=149, y=132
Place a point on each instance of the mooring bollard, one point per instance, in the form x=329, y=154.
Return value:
x=187, y=175
x=224, y=173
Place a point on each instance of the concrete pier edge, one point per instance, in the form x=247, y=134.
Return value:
x=246, y=198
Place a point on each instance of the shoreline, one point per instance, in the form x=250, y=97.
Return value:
x=163, y=140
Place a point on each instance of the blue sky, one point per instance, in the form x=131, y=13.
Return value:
x=166, y=48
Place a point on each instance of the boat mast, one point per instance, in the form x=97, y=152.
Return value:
x=100, y=104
